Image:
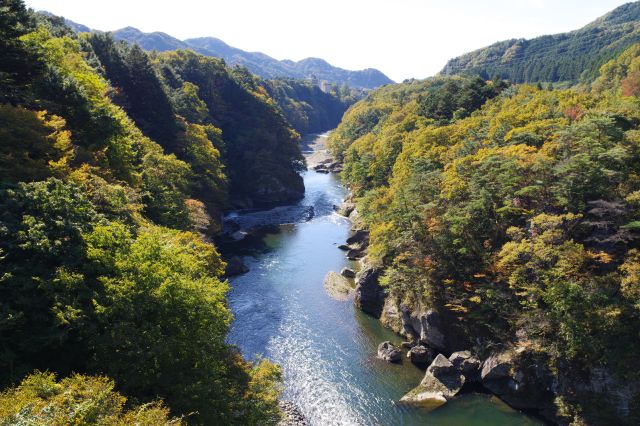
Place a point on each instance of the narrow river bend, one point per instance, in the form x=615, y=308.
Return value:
x=327, y=348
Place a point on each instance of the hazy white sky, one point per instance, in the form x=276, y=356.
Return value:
x=402, y=38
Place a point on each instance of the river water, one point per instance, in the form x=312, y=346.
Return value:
x=327, y=348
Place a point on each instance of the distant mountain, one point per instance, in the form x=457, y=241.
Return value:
x=572, y=56
x=258, y=63
x=79, y=28
x=150, y=41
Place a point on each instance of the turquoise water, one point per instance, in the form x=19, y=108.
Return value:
x=327, y=348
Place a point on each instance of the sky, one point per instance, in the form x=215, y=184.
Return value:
x=402, y=38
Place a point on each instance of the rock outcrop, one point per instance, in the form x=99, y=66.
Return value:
x=328, y=166
x=520, y=378
x=357, y=244
x=369, y=295
x=235, y=266
x=468, y=364
x=240, y=225
x=337, y=286
x=291, y=415
x=441, y=382
x=345, y=209
x=348, y=273
x=420, y=355
x=388, y=352
x=431, y=330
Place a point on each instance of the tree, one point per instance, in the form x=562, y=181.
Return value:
x=18, y=64
x=79, y=399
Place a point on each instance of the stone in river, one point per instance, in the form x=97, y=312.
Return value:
x=420, y=355
x=441, y=382
x=389, y=352
x=337, y=286
x=348, y=273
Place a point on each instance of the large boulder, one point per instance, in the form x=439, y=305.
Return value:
x=441, y=382
x=498, y=366
x=348, y=273
x=389, y=352
x=359, y=237
x=345, y=209
x=355, y=254
x=241, y=224
x=519, y=377
x=420, y=355
x=235, y=266
x=369, y=295
x=431, y=330
x=468, y=364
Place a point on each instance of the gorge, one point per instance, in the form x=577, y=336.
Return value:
x=185, y=241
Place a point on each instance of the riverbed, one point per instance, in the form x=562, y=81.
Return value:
x=326, y=347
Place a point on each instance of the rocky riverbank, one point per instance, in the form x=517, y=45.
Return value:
x=291, y=415
x=515, y=375
x=517, y=372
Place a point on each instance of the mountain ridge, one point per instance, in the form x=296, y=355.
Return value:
x=571, y=56
x=258, y=63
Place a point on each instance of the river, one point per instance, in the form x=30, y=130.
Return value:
x=327, y=348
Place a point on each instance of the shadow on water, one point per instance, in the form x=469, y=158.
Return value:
x=327, y=348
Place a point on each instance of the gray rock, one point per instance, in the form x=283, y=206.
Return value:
x=329, y=166
x=389, y=352
x=407, y=345
x=243, y=223
x=344, y=247
x=348, y=273
x=441, y=367
x=235, y=266
x=345, y=209
x=441, y=382
x=369, y=296
x=468, y=364
x=420, y=355
x=359, y=238
x=497, y=366
x=430, y=332
x=291, y=415
x=355, y=254
x=520, y=378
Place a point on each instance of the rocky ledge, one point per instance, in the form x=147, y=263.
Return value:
x=328, y=166
x=388, y=352
x=442, y=381
x=291, y=415
x=240, y=225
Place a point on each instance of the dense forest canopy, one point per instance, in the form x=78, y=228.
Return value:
x=568, y=57
x=115, y=166
x=512, y=210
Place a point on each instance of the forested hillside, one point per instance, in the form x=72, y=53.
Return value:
x=512, y=213
x=306, y=107
x=114, y=168
x=568, y=57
